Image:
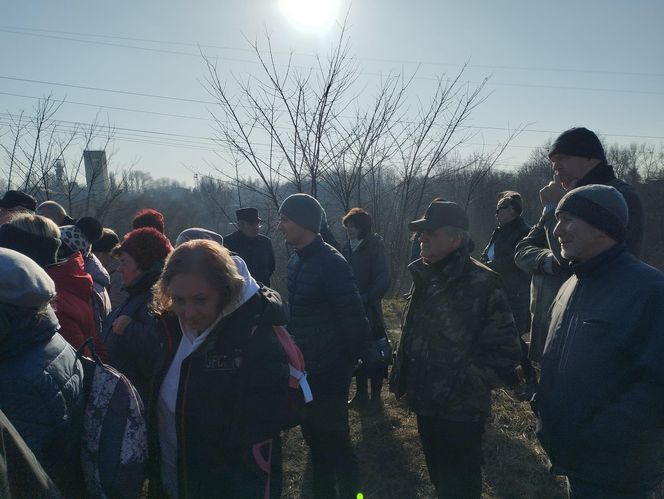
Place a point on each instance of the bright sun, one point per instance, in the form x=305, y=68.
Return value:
x=310, y=14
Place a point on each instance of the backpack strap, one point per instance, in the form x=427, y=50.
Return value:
x=89, y=344
x=301, y=378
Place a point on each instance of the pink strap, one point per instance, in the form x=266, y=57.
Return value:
x=263, y=464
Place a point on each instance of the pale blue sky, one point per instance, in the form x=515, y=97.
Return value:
x=609, y=54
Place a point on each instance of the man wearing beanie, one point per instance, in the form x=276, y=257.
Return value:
x=577, y=159
x=329, y=325
x=458, y=342
x=601, y=395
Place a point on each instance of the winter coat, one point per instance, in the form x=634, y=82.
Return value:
x=21, y=475
x=41, y=393
x=372, y=277
x=227, y=396
x=601, y=396
x=458, y=340
x=517, y=282
x=101, y=282
x=129, y=351
x=115, y=292
x=326, y=315
x=539, y=255
x=73, y=303
x=257, y=253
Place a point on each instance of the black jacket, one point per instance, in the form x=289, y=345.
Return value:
x=229, y=391
x=257, y=253
x=517, y=282
x=326, y=315
x=129, y=352
x=372, y=277
x=41, y=393
x=601, y=396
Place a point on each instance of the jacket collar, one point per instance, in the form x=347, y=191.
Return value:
x=601, y=174
x=26, y=329
x=144, y=281
x=312, y=248
x=598, y=263
x=452, y=266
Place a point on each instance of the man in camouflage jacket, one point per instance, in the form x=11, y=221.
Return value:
x=459, y=340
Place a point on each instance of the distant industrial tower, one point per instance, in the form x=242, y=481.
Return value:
x=96, y=176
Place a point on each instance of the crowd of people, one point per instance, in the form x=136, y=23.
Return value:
x=194, y=329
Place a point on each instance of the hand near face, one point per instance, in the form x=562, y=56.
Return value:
x=120, y=324
x=552, y=193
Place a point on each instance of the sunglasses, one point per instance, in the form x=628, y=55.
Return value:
x=504, y=207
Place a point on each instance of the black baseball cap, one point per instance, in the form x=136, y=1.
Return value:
x=441, y=214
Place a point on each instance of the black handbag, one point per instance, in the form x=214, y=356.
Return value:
x=379, y=353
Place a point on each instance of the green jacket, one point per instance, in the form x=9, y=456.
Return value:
x=457, y=340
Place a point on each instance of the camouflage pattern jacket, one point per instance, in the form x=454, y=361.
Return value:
x=457, y=338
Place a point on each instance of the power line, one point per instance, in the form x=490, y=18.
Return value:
x=370, y=59
x=141, y=94
x=249, y=61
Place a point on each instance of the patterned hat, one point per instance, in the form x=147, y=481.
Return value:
x=80, y=237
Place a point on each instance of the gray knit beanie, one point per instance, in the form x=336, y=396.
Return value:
x=602, y=206
x=194, y=233
x=304, y=210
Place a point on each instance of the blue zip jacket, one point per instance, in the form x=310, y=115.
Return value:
x=601, y=397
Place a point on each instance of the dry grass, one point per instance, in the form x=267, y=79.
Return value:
x=391, y=459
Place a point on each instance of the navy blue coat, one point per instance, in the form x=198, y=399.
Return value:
x=601, y=396
x=257, y=253
x=326, y=315
x=132, y=352
x=42, y=394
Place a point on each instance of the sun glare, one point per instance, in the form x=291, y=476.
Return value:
x=310, y=14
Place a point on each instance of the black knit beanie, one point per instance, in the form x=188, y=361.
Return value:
x=42, y=250
x=602, y=206
x=578, y=142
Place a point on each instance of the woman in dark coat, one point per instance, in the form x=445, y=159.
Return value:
x=220, y=377
x=41, y=380
x=130, y=331
x=365, y=251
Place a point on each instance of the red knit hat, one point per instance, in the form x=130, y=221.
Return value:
x=148, y=217
x=146, y=246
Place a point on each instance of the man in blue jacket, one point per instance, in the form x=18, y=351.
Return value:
x=601, y=399
x=328, y=323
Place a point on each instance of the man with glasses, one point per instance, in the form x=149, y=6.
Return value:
x=254, y=248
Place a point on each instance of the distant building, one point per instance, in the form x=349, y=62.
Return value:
x=96, y=176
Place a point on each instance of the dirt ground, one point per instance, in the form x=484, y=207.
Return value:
x=392, y=462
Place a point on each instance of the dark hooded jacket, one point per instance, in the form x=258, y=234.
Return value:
x=538, y=254
x=601, y=396
x=517, y=282
x=41, y=392
x=372, y=277
x=326, y=315
x=129, y=351
x=228, y=395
